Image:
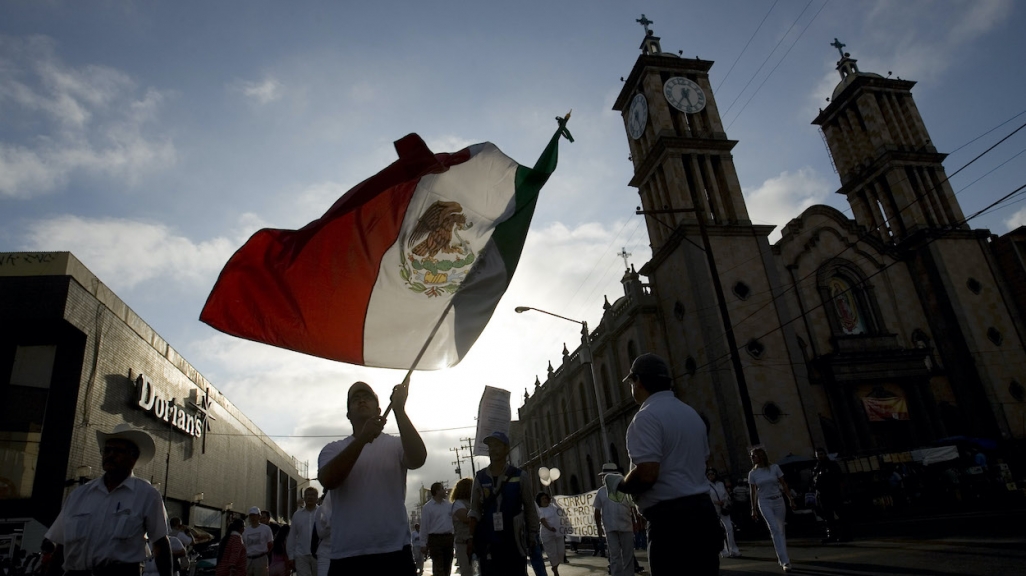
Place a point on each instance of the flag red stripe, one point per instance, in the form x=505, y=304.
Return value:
x=307, y=290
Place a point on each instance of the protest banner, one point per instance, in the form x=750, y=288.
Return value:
x=493, y=415
x=577, y=514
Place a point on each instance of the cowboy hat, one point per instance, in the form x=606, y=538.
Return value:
x=123, y=431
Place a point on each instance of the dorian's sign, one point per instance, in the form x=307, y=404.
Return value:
x=148, y=398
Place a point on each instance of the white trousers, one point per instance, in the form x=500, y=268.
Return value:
x=323, y=560
x=621, y=553
x=554, y=545
x=306, y=565
x=774, y=511
x=730, y=546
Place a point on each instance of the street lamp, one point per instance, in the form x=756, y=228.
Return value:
x=587, y=359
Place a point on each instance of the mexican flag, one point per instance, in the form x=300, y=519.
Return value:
x=368, y=281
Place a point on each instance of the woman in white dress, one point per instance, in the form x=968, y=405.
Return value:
x=768, y=490
x=551, y=537
x=721, y=499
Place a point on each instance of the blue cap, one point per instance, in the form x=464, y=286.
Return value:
x=497, y=436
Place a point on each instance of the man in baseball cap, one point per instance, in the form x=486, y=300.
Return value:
x=258, y=539
x=114, y=514
x=365, y=473
x=669, y=445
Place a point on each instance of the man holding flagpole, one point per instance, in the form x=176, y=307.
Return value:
x=365, y=474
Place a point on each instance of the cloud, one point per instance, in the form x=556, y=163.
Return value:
x=1016, y=220
x=89, y=119
x=780, y=199
x=125, y=253
x=264, y=92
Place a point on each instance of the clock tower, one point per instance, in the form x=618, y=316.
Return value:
x=712, y=270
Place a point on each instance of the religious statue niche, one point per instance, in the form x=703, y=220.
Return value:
x=846, y=306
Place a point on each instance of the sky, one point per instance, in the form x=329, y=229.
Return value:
x=151, y=139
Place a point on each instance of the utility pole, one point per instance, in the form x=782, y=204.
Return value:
x=459, y=471
x=470, y=449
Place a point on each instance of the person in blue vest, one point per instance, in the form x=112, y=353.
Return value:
x=504, y=520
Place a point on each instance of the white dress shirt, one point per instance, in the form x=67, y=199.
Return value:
x=301, y=533
x=96, y=526
x=436, y=517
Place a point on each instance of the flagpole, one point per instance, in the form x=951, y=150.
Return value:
x=423, y=349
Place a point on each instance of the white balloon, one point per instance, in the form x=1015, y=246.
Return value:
x=543, y=473
x=546, y=482
x=554, y=474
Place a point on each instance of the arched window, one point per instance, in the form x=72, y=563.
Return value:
x=567, y=429
x=548, y=422
x=575, y=486
x=614, y=454
x=632, y=351
x=845, y=306
x=591, y=472
x=848, y=299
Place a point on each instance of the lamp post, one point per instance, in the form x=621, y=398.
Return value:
x=587, y=359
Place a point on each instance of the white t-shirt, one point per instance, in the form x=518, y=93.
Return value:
x=718, y=493
x=551, y=515
x=368, y=510
x=616, y=516
x=97, y=526
x=150, y=566
x=766, y=480
x=436, y=517
x=257, y=539
x=668, y=431
x=323, y=521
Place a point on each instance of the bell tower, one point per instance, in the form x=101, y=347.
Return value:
x=680, y=152
x=712, y=270
x=890, y=171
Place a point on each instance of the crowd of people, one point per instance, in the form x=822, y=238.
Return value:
x=116, y=525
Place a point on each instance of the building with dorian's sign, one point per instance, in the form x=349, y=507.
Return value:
x=74, y=359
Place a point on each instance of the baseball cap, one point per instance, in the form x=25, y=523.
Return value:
x=497, y=436
x=648, y=364
x=254, y=510
x=360, y=386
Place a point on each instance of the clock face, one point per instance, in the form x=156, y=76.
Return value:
x=637, y=117
x=684, y=95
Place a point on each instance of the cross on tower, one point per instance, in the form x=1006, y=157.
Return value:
x=836, y=44
x=644, y=22
x=625, y=255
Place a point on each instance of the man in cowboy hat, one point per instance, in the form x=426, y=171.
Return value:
x=104, y=524
x=669, y=445
x=613, y=520
x=366, y=476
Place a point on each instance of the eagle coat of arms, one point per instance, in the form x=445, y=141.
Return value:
x=439, y=258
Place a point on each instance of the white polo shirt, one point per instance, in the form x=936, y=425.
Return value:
x=368, y=510
x=616, y=516
x=669, y=432
x=97, y=526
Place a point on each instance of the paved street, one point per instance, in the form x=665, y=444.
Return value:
x=984, y=544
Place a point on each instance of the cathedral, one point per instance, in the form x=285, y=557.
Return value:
x=870, y=335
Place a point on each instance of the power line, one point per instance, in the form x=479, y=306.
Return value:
x=746, y=45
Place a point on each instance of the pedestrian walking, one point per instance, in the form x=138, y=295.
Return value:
x=436, y=518
x=322, y=524
x=418, y=548
x=613, y=520
x=768, y=493
x=721, y=500
x=668, y=444
x=366, y=476
x=259, y=540
x=299, y=544
x=504, y=520
x=827, y=481
x=104, y=525
x=551, y=538
x=460, y=498
x=231, y=553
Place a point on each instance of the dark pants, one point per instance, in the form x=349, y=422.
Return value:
x=684, y=537
x=399, y=563
x=440, y=550
x=502, y=561
x=830, y=510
